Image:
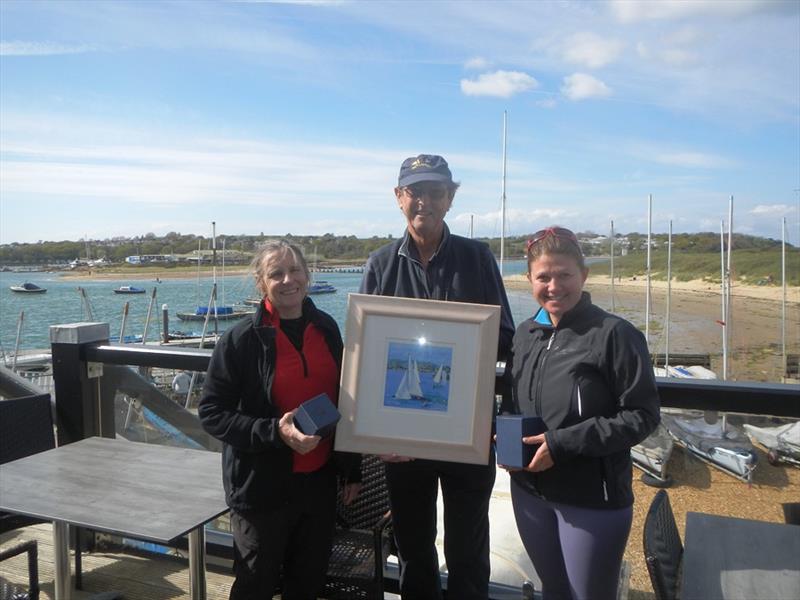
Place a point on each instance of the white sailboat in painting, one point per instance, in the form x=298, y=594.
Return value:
x=410, y=388
x=440, y=377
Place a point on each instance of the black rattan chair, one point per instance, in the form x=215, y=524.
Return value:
x=9, y=591
x=663, y=549
x=26, y=427
x=363, y=539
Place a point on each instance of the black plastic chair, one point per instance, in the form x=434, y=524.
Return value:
x=663, y=549
x=363, y=539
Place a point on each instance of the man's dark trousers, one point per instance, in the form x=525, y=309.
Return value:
x=466, y=490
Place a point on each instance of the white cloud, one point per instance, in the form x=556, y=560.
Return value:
x=633, y=11
x=591, y=50
x=580, y=86
x=547, y=103
x=773, y=210
x=502, y=84
x=691, y=159
x=477, y=63
x=17, y=48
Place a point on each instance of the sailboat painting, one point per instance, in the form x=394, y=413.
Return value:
x=418, y=375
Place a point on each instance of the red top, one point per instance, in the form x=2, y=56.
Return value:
x=301, y=375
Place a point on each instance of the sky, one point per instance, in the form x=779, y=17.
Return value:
x=124, y=118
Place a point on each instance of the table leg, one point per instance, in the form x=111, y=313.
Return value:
x=63, y=577
x=197, y=563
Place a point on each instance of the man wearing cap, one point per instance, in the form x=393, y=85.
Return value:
x=429, y=262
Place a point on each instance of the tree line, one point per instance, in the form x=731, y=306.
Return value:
x=333, y=248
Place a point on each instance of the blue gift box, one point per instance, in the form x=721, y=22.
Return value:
x=317, y=416
x=511, y=452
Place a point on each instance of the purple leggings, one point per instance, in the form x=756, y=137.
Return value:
x=577, y=552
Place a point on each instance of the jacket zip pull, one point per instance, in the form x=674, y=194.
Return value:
x=550, y=341
x=605, y=491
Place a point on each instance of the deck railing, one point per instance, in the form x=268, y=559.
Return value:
x=88, y=372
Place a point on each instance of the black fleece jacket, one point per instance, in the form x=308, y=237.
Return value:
x=461, y=270
x=236, y=407
x=591, y=381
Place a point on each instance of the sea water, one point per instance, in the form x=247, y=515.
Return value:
x=62, y=303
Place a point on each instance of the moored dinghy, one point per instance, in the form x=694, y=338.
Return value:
x=651, y=455
x=718, y=443
x=782, y=441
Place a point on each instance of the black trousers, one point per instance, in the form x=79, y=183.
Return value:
x=287, y=546
x=466, y=490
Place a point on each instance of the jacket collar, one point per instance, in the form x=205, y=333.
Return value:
x=267, y=316
x=541, y=320
x=409, y=250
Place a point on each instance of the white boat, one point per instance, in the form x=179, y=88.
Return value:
x=717, y=443
x=409, y=387
x=652, y=455
x=28, y=288
x=441, y=376
x=782, y=441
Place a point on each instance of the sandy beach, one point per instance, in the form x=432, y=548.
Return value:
x=755, y=332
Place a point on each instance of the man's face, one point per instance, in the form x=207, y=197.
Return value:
x=425, y=204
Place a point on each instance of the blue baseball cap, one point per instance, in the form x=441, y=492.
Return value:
x=424, y=167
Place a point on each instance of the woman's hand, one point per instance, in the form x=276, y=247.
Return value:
x=293, y=437
x=542, y=459
x=394, y=458
x=350, y=492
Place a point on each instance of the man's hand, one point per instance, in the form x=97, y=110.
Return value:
x=394, y=458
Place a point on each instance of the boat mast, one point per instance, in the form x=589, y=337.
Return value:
x=503, y=196
x=723, y=321
x=669, y=293
x=647, y=293
x=728, y=276
x=613, y=307
x=783, y=297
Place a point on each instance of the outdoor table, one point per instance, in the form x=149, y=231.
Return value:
x=144, y=491
x=727, y=558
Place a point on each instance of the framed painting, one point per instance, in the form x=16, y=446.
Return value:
x=418, y=378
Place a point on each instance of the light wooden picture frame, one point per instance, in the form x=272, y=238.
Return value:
x=418, y=378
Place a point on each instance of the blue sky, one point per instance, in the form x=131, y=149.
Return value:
x=122, y=118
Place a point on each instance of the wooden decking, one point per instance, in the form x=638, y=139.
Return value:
x=148, y=577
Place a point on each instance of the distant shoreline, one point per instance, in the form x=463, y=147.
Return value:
x=756, y=292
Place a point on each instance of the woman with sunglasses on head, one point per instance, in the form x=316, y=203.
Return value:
x=587, y=374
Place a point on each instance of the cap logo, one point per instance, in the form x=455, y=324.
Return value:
x=420, y=162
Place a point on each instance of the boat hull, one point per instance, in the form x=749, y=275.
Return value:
x=233, y=316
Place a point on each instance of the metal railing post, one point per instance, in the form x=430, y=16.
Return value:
x=80, y=410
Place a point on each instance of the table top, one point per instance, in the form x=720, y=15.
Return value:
x=730, y=558
x=146, y=491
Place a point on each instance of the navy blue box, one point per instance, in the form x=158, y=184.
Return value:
x=317, y=416
x=510, y=430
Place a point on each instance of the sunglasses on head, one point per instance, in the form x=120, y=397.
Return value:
x=432, y=191
x=559, y=232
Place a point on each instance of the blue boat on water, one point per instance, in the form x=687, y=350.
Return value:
x=321, y=287
x=218, y=313
x=129, y=289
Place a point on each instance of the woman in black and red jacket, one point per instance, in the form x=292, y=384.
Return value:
x=279, y=483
